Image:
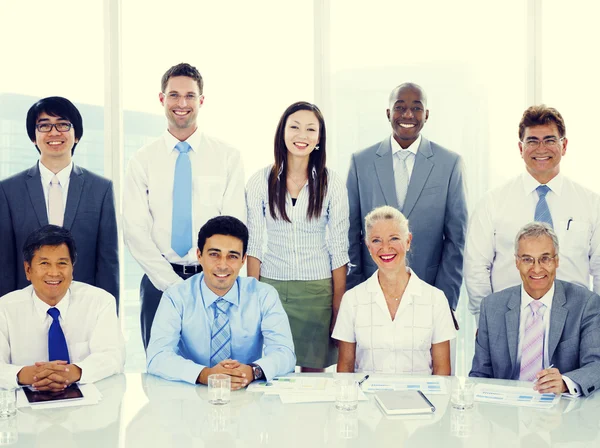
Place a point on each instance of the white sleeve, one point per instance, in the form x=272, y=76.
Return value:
x=346, y=318
x=8, y=371
x=443, y=324
x=234, y=198
x=257, y=202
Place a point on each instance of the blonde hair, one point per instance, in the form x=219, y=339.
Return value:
x=386, y=212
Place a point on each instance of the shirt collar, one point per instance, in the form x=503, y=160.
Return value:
x=546, y=299
x=210, y=297
x=414, y=147
x=42, y=307
x=47, y=175
x=413, y=288
x=530, y=183
x=193, y=140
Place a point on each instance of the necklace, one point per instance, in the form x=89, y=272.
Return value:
x=295, y=183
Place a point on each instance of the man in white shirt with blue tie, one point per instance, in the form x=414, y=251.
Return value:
x=543, y=194
x=172, y=187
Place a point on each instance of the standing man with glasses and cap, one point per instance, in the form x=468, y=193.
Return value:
x=541, y=193
x=56, y=331
x=56, y=191
x=421, y=179
x=544, y=330
x=172, y=187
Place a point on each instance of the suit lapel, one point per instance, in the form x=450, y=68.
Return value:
x=36, y=194
x=419, y=176
x=558, y=317
x=512, y=326
x=384, y=167
x=76, y=181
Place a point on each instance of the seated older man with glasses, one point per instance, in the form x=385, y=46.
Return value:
x=545, y=330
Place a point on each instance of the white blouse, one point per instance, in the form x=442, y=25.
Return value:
x=402, y=345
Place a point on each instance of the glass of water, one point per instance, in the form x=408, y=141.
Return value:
x=463, y=394
x=346, y=393
x=219, y=388
x=8, y=403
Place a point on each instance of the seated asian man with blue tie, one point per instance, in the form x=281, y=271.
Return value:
x=217, y=322
x=56, y=331
x=544, y=330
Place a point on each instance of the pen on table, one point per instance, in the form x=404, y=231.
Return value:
x=569, y=223
x=363, y=380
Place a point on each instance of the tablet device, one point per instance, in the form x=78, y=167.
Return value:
x=38, y=397
x=404, y=402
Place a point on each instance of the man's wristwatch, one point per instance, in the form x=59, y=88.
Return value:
x=258, y=372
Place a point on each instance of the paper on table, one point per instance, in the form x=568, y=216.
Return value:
x=324, y=396
x=427, y=385
x=294, y=384
x=91, y=395
x=514, y=396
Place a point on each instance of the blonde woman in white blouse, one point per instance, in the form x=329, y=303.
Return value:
x=393, y=322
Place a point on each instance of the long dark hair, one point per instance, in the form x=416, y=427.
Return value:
x=317, y=173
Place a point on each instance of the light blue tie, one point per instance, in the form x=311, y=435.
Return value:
x=220, y=341
x=542, y=212
x=401, y=177
x=181, y=227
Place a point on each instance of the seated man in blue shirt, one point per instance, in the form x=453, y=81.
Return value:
x=217, y=322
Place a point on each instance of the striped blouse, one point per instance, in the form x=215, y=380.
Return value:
x=303, y=249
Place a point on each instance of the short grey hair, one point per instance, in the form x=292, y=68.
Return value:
x=382, y=213
x=536, y=229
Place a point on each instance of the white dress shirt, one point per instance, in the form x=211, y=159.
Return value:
x=304, y=249
x=88, y=319
x=402, y=345
x=63, y=177
x=218, y=189
x=546, y=299
x=410, y=160
x=489, y=250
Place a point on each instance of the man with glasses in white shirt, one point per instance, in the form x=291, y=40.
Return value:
x=541, y=193
x=172, y=187
x=57, y=191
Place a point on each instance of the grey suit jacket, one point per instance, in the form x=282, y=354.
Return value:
x=89, y=216
x=573, y=339
x=435, y=206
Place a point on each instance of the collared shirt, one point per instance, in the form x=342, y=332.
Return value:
x=88, y=319
x=410, y=160
x=218, y=189
x=489, y=249
x=546, y=299
x=179, y=347
x=402, y=345
x=304, y=249
x=63, y=178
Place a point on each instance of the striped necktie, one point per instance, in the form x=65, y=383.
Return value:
x=220, y=342
x=532, y=352
x=542, y=212
x=401, y=177
x=181, y=226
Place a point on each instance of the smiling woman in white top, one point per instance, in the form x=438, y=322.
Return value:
x=393, y=322
x=302, y=208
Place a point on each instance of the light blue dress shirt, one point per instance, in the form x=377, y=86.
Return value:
x=260, y=331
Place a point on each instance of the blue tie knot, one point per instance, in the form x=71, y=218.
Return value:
x=183, y=147
x=54, y=312
x=542, y=190
x=222, y=305
x=403, y=154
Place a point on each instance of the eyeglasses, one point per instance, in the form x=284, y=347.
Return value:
x=60, y=127
x=548, y=143
x=175, y=97
x=544, y=260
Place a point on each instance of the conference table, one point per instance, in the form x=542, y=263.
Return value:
x=141, y=410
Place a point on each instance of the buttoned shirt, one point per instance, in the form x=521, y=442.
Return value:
x=490, y=245
x=303, y=249
x=63, y=178
x=89, y=322
x=218, y=189
x=180, y=345
x=410, y=160
x=401, y=345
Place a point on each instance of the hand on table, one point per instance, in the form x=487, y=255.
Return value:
x=550, y=381
x=241, y=374
x=49, y=376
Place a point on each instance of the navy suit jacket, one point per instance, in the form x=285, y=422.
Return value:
x=573, y=339
x=89, y=216
x=435, y=206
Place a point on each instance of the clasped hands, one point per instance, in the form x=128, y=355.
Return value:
x=53, y=376
x=550, y=381
x=241, y=374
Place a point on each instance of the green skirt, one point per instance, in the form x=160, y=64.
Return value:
x=308, y=305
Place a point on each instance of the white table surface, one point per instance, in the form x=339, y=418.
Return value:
x=140, y=410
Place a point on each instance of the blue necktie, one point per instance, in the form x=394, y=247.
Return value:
x=181, y=227
x=542, y=212
x=57, y=344
x=220, y=341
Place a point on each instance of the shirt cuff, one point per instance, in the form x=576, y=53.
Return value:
x=574, y=388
